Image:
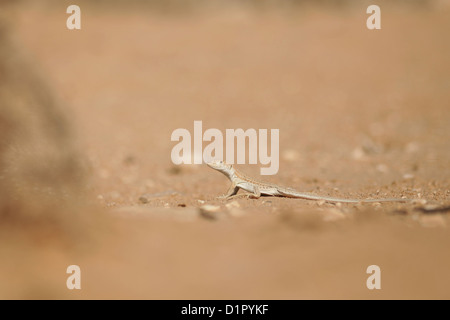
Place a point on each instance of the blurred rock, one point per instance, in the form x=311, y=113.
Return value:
x=211, y=212
x=433, y=209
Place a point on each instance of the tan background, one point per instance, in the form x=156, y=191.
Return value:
x=361, y=113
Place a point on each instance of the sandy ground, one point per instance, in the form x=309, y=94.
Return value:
x=361, y=113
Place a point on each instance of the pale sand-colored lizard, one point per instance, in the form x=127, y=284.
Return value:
x=257, y=188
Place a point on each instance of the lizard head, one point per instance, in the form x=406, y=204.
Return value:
x=221, y=166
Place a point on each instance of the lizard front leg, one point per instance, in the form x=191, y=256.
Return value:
x=231, y=191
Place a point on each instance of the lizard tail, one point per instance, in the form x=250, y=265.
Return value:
x=309, y=196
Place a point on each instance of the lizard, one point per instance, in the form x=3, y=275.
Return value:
x=258, y=188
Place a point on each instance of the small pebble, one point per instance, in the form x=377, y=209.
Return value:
x=143, y=199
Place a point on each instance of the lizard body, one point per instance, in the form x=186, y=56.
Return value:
x=258, y=188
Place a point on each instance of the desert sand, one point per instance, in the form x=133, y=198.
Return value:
x=361, y=113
